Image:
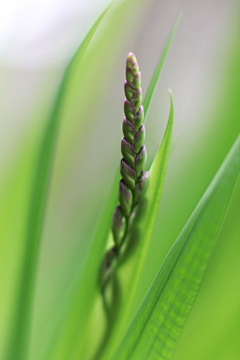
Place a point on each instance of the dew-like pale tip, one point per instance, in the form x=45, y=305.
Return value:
x=131, y=56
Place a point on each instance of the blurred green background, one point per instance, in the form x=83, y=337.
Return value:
x=202, y=69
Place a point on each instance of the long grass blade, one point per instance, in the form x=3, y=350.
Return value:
x=158, y=324
x=19, y=335
x=81, y=306
x=137, y=240
x=159, y=66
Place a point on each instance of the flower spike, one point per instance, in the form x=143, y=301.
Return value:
x=134, y=157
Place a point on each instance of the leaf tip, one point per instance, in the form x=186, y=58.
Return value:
x=171, y=102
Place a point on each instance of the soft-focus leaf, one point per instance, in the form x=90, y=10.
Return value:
x=19, y=335
x=159, y=66
x=80, y=309
x=137, y=241
x=157, y=326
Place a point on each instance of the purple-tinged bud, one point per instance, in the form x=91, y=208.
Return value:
x=138, y=118
x=129, y=75
x=136, y=82
x=128, y=151
x=129, y=63
x=129, y=90
x=134, y=156
x=131, y=57
x=136, y=99
x=118, y=226
x=139, y=139
x=129, y=110
x=135, y=68
x=137, y=193
x=128, y=174
x=140, y=160
x=132, y=63
x=125, y=198
x=129, y=130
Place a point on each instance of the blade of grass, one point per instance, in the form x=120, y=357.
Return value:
x=158, y=324
x=83, y=306
x=80, y=310
x=19, y=334
x=137, y=241
x=159, y=66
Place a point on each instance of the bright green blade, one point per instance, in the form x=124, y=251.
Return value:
x=159, y=66
x=19, y=334
x=137, y=241
x=81, y=306
x=157, y=326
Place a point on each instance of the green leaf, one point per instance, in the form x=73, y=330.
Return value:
x=158, y=324
x=137, y=242
x=159, y=66
x=82, y=306
x=19, y=333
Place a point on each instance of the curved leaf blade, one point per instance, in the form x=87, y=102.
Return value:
x=137, y=241
x=157, y=326
x=159, y=66
x=81, y=306
x=19, y=333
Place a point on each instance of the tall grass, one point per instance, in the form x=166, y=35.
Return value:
x=78, y=321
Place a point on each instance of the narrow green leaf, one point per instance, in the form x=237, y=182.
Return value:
x=80, y=309
x=19, y=334
x=158, y=324
x=137, y=242
x=159, y=66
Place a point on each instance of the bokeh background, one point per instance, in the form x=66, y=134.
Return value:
x=37, y=40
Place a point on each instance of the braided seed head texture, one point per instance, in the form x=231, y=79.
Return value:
x=131, y=167
x=133, y=151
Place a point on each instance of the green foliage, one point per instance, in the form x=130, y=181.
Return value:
x=152, y=85
x=81, y=308
x=19, y=336
x=163, y=314
x=137, y=241
x=98, y=325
